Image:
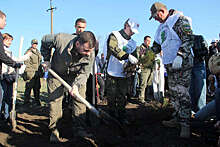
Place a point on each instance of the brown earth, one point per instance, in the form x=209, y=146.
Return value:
x=145, y=129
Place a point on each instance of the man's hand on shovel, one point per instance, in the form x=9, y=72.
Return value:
x=74, y=91
x=46, y=65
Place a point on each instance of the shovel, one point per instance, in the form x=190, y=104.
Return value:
x=14, y=94
x=99, y=113
x=13, y=111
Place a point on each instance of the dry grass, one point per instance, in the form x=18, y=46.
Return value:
x=21, y=89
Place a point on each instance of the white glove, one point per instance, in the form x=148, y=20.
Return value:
x=132, y=59
x=177, y=63
x=139, y=70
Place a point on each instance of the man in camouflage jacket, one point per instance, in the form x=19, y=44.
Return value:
x=173, y=38
x=146, y=59
x=32, y=74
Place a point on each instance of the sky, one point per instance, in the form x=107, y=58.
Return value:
x=29, y=18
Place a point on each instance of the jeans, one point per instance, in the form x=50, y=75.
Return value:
x=212, y=108
x=7, y=88
x=197, y=89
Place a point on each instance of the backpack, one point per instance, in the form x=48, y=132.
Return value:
x=200, y=47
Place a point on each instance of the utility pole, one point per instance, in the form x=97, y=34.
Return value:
x=51, y=16
x=51, y=21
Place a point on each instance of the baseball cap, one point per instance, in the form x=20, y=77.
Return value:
x=34, y=41
x=213, y=41
x=156, y=7
x=134, y=25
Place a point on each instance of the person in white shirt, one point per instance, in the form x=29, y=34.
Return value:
x=8, y=76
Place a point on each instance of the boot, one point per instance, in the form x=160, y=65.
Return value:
x=185, y=131
x=55, y=138
x=173, y=123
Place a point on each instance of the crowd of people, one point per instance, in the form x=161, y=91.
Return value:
x=177, y=58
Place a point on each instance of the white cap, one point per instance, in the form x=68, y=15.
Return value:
x=134, y=25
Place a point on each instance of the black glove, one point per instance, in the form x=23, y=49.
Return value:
x=10, y=78
x=18, y=65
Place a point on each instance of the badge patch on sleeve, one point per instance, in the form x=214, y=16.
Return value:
x=187, y=29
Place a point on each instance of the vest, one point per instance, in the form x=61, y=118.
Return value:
x=168, y=39
x=115, y=67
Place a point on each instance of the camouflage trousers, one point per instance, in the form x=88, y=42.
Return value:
x=56, y=94
x=145, y=78
x=116, y=91
x=179, y=83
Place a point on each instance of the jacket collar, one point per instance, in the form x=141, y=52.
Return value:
x=124, y=35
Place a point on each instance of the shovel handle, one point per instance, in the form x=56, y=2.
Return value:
x=83, y=100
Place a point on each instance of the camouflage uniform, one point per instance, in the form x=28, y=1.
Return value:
x=116, y=87
x=146, y=75
x=32, y=75
x=74, y=69
x=179, y=80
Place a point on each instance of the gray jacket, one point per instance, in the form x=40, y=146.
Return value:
x=66, y=61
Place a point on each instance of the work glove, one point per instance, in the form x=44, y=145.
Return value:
x=132, y=59
x=177, y=63
x=17, y=65
x=138, y=68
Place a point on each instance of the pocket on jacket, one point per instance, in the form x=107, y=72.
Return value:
x=28, y=75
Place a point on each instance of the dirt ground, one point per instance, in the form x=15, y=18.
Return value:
x=145, y=129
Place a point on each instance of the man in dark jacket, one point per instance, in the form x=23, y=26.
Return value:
x=3, y=56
